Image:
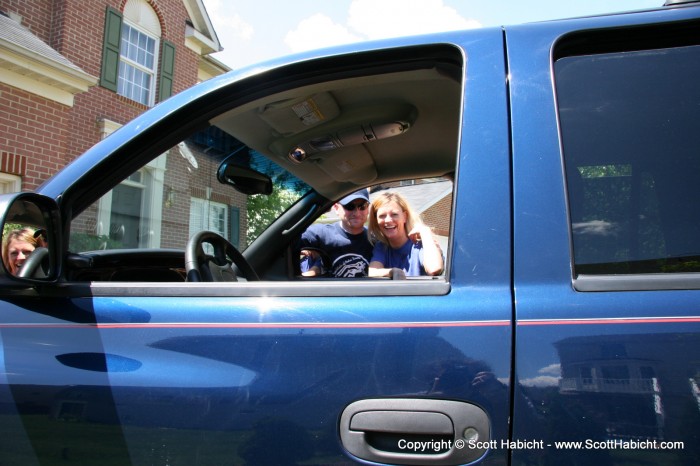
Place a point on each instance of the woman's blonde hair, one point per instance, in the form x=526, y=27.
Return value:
x=412, y=218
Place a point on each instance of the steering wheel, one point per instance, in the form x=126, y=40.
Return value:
x=203, y=267
x=32, y=265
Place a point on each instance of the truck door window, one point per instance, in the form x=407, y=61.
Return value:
x=629, y=124
x=234, y=189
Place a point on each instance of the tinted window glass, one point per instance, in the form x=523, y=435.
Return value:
x=177, y=194
x=630, y=128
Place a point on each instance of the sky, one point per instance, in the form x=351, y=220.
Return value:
x=252, y=31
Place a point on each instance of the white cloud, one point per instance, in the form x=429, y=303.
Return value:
x=376, y=19
x=250, y=36
x=380, y=19
x=227, y=23
x=318, y=31
x=237, y=27
x=236, y=35
x=549, y=377
x=552, y=369
x=541, y=381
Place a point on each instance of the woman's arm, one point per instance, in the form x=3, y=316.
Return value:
x=376, y=270
x=433, y=262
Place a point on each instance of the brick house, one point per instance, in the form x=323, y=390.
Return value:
x=74, y=71
x=71, y=73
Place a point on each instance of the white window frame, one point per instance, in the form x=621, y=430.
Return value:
x=203, y=216
x=10, y=183
x=152, y=73
x=153, y=185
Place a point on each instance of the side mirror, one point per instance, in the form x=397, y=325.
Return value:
x=30, y=237
x=244, y=179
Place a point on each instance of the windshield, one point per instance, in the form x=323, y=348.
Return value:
x=177, y=194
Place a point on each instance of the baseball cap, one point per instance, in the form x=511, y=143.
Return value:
x=361, y=194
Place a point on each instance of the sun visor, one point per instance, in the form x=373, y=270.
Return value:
x=292, y=116
x=353, y=164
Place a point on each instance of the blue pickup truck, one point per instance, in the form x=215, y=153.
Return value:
x=161, y=317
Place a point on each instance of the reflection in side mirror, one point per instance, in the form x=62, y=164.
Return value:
x=35, y=265
x=26, y=241
x=244, y=179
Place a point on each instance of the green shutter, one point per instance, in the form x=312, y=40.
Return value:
x=109, y=74
x=167, y=70
x=235, y=236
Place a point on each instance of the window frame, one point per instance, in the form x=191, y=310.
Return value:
x=429, y=285
x=10, y=183
x=152, y=184
x=206, y=219
x=125, y=61
x=165, y=53
x=641, y=39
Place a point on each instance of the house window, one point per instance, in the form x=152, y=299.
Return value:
x=128, y=216
x=10, y=183
x=137, y=65
x=208, y=215
x=136, y=61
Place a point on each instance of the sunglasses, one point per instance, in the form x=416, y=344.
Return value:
x=350, y=207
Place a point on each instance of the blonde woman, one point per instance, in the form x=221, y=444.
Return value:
x=17, y=246
x=401, y=240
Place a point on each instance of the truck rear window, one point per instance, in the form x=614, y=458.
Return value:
x=630, y=125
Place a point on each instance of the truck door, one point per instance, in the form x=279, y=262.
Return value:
x=606, y=239
x=125, y=358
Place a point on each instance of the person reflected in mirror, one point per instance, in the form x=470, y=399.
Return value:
x=345, y=243
x=401, y=240
x=18, y=245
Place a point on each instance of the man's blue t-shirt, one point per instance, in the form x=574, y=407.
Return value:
x=349, y=254
x=408, y=257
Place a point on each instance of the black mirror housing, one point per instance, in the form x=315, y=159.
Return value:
x=33, y=219
x=244, y=179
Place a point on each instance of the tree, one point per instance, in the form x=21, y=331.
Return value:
x=263, y=210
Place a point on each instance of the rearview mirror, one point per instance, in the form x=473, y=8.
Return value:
x=244, y=179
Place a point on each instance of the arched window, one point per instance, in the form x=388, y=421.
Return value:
x=130, y=62
x=137, y=53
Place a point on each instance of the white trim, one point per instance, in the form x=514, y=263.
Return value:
x=210, y=67
x=203, y=208
x=153, y=185
x=141, y=13
x=152, y=72
x=198, y=42
x=152, y=209
x=104, y=214
x=10, y=183
x=202, y=23
x=42, y=76
x=107, y=127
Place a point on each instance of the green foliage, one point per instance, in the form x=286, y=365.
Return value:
x=263, y=210
x=601, y=171
x=8, y=227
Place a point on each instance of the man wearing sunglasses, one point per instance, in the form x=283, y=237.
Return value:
x=344, y=244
